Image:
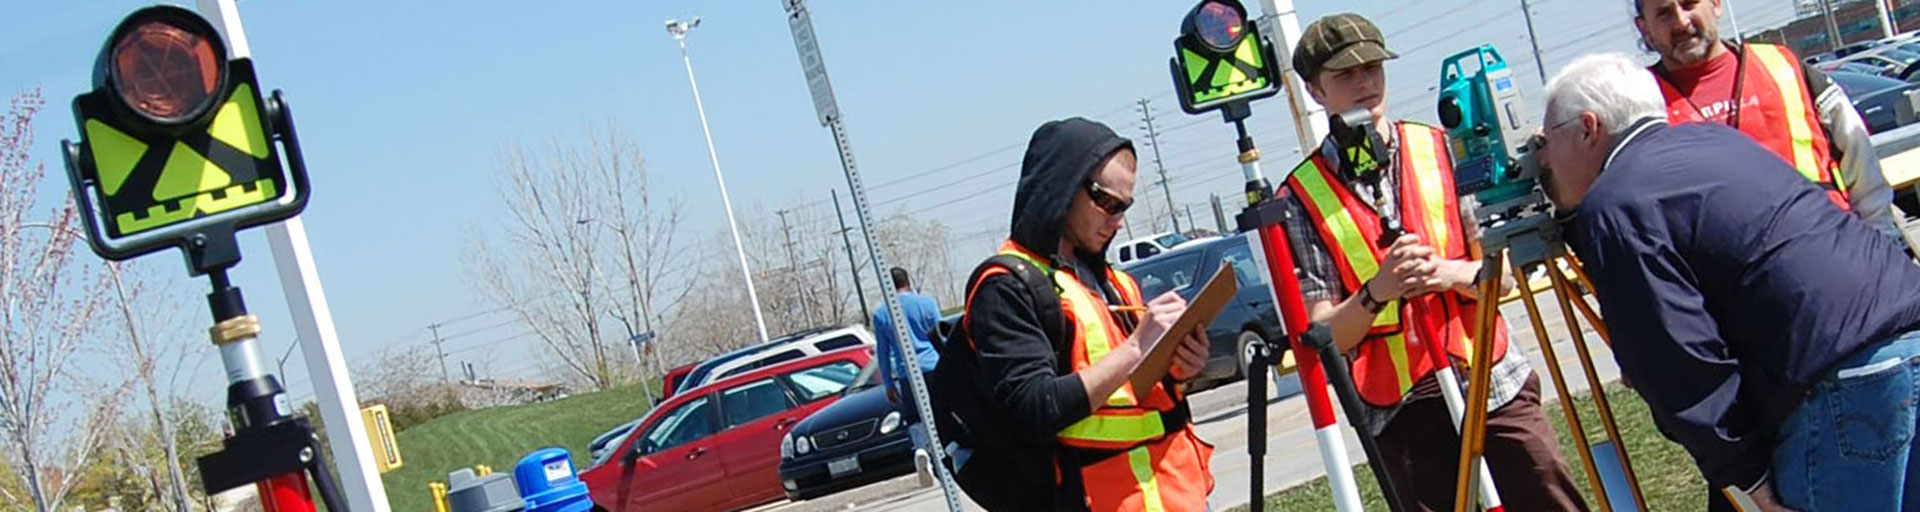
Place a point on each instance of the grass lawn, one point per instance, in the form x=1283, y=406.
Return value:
x=1668, y=477
x=500, y=436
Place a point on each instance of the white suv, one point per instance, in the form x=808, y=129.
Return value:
x=789, y=347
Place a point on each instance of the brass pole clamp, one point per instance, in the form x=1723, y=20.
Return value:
x=236, y=329
x=1250, y=156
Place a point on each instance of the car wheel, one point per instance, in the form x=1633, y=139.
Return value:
x=1247, y=339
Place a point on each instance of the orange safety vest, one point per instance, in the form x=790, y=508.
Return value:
x=1395, y=353
x=1786, y=121
x=1146, y=462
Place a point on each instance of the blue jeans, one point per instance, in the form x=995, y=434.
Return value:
x=1850, y=445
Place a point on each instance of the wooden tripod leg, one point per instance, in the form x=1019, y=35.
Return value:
x=1565, y=293
x=1579, y=432
x=1586, y=310
x=1473, y=427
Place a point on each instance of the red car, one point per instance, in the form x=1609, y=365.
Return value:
x=670, y=382
x=717, y=447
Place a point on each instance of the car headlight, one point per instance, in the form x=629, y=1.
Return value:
x=786, y=447
x=801, y=446
x=890, y=423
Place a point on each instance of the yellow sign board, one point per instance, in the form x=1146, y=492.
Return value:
x=386, y=448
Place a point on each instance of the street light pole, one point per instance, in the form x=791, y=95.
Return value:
x=679, y=31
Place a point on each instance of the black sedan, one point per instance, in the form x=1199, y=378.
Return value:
x=1875, y=98
x=861, y=438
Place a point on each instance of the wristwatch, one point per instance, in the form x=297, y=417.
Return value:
x=1367, y=302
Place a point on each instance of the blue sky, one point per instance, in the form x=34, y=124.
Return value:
x=403, y=106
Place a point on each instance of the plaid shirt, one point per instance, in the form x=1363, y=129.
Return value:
x=1320, y=278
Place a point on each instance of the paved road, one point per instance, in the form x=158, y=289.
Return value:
x=1221, y=417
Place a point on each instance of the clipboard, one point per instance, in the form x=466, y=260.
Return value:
x=1206, y=305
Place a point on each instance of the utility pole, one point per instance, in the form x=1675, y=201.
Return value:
x=1833, y=28
x=852, y=264
x=1527, y=10
x=1219, y=214
x=1190, y=223
x=793, y=268
x=1153, y=139
x=444, y=378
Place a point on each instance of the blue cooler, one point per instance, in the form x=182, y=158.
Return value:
x=548, y=483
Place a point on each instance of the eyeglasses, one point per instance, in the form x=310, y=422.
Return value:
x=1105, y=200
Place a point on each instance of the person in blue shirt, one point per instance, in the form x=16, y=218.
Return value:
x=923, y=316
x=1772, y=335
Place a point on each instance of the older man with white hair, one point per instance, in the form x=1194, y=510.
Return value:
x=1784, y=375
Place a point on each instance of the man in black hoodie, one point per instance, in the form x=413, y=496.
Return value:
x=1067, y=395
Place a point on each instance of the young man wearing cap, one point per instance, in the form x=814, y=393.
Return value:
x=1791, y=109
x=1385, y=305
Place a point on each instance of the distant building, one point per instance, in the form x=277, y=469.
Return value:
x=1857, y=20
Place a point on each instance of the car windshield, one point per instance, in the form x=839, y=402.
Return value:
x=825, y=380
x=1170, y=239
x=1167, y=273
x=869, y=377
x=1859, y=85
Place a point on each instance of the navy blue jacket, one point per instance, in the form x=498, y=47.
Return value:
x=1730, y=285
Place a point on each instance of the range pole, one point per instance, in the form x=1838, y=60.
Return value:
x=333, y=392
x=1153, y=139
x=815, y=68
x=853, y=265
x=1282, y=23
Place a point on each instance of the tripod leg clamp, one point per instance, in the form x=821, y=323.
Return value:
x=256, y=454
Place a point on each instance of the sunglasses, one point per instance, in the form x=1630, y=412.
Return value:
x=1105, y=200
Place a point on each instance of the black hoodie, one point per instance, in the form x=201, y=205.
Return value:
x=1027, y=383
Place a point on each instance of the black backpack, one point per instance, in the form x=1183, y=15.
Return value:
x=1001, y=473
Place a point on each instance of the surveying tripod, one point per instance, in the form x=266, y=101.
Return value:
x=1517, y=235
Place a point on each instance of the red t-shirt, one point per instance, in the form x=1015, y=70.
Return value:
x=1709, y=87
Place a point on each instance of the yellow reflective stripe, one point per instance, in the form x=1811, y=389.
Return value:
x=1792, y=94
x=1353, y=246
x=1426, y=173
x=1141, y=461
x=1129, y=428
x=1397, y=350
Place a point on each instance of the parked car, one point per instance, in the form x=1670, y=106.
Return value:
x=1249, y=317
x=717, y=447
x=604, y=444
x=782, y=349
x=670, y=382
x=1876, y=98
x=857, y=440
x=1892, y=62
x=1145, y=247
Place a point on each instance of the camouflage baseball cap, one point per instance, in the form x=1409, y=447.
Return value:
x=1339, y=41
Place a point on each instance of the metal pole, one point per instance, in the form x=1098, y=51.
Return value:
x=1833, y=28
x=1527, y=10
x=814, y=66
x=852, y=264
x=1886, y=17
x=1309, y=118
x=746, y=274
x=313, y=323
x=443, y=353
x=1153, y=138
x=1219, y=213
x=1733, y=18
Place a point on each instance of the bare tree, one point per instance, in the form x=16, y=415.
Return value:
x=585, y=240
x=48, y=307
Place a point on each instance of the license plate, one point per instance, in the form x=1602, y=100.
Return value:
x=846, y=466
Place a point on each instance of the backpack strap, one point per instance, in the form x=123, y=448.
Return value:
x=1041, y=292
